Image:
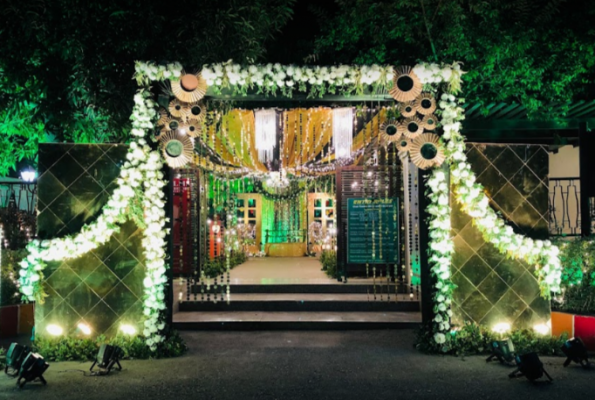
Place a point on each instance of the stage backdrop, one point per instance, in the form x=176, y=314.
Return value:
x=492, y=288
x=104, y=287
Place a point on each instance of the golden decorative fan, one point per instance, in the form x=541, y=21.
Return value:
x=407, y=85
x=177, y=149
x=426, y=151
x=412, y=127
x=429, y=122
x=170, y=125
x=390, y=131
x=163, y=117
x=196, y=112
x=192, y=128
x=425, y=104
x=189, y=88
x=403, y=144
x=407, y=109
x=178, y=110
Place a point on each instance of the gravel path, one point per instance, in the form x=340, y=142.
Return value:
x=304, y=365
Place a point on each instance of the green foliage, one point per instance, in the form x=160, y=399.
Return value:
x=328, y=259
x=85, y=349
x=509, y=50
x=66, y=67
x=473, y=339
x=578, y=276
x=9, y=291
x=218, y=265
x=2, y=358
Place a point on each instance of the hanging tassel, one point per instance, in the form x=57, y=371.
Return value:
x=342, y=131
x=265, y=133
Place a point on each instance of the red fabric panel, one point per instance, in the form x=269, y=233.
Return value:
x=584, y=327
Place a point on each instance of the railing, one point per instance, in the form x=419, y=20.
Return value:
x=19, y=195
x=565, y=212
x=285, y=236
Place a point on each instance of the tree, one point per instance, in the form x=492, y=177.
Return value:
x=66, y=66
x=539, y=53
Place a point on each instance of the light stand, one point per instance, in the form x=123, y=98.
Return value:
x=574, y=349
x=33, y=368
x=107, y=357
x=503, y=350
x=14, y=358
x=530, y=366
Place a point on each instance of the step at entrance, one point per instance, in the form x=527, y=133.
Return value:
x=302, y=307
x=237, y=320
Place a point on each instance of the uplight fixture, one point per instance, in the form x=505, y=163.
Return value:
x=86, y=329
x=54, y=330
x=128, y=329
x=501, y=327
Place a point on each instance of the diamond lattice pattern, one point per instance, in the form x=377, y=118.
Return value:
x=103, y=288
x=491, y=287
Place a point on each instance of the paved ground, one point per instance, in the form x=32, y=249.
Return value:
x=304, y=365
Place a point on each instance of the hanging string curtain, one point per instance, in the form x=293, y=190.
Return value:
x=342, y=131
x=265, y=122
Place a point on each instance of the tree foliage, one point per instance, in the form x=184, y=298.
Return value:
x=539, y=53
x=66, y=66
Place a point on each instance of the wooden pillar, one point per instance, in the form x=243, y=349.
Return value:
x=427, y=311
x=587, y=175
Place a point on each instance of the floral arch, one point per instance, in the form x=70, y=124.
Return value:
x=140, y=192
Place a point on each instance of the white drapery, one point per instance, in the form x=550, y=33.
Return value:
x=342, y=131
x=265, y=125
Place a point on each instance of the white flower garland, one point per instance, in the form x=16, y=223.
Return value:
x=141, y=173
x=317, y=80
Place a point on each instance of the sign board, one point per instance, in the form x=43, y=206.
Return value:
x=373, y=231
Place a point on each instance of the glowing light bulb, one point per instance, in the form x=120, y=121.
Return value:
x=501, y=327
x=54, y=330
x=127, y=329
x=86, y=329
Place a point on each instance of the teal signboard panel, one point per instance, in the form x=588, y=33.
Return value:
x=373, y=231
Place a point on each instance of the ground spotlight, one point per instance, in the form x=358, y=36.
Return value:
x=14, y=358
x=107, y=357
x=574, y=349
x=32, y=368
x=503, y=350
x=530, y=366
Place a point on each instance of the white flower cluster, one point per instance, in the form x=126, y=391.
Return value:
x=146, y=73
x=271, y=77
x=443, y=73
x=441, y=249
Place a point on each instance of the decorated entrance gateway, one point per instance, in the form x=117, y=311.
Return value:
x=337, y=177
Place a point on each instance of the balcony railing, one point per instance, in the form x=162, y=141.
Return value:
x=565, y=212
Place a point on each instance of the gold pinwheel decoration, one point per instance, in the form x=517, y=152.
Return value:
x=163, y=117
x=192, y=128
x=407, y=85
x=196, y=112
x=425, y=104
x=189, y=88
x=403, y=144
x=177, y=148
x=412, y=127
x=390, y=131
x=429, y=122
x=426, y=151
x=407, y=109
x=178, y=110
